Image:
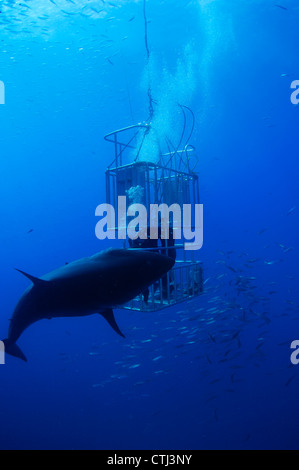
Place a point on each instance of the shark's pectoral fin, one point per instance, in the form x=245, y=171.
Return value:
x=109, y=317
x=35, y=280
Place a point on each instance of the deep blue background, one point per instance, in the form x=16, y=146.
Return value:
x=223, y=377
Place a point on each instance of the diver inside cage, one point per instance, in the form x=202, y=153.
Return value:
x=136, y=195
x=167, y=248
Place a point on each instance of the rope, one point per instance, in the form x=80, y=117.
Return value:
x=149, y=90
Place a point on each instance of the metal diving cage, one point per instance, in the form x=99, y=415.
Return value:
x=171, y=179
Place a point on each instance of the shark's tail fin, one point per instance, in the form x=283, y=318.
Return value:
x=13, y=349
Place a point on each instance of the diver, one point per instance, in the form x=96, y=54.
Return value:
x=145, y=243
x=166, y=248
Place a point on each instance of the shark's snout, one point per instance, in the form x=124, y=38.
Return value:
x=157, y=265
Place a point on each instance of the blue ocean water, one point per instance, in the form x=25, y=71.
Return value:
x=210, y=373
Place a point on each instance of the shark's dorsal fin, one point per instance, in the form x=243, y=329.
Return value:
x=35, y=280
x=109, y=317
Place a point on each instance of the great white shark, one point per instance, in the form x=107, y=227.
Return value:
x=86, y=286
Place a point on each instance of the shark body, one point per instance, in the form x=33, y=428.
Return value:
x=96, y=284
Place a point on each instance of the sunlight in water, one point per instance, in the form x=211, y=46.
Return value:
x=44, y=16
